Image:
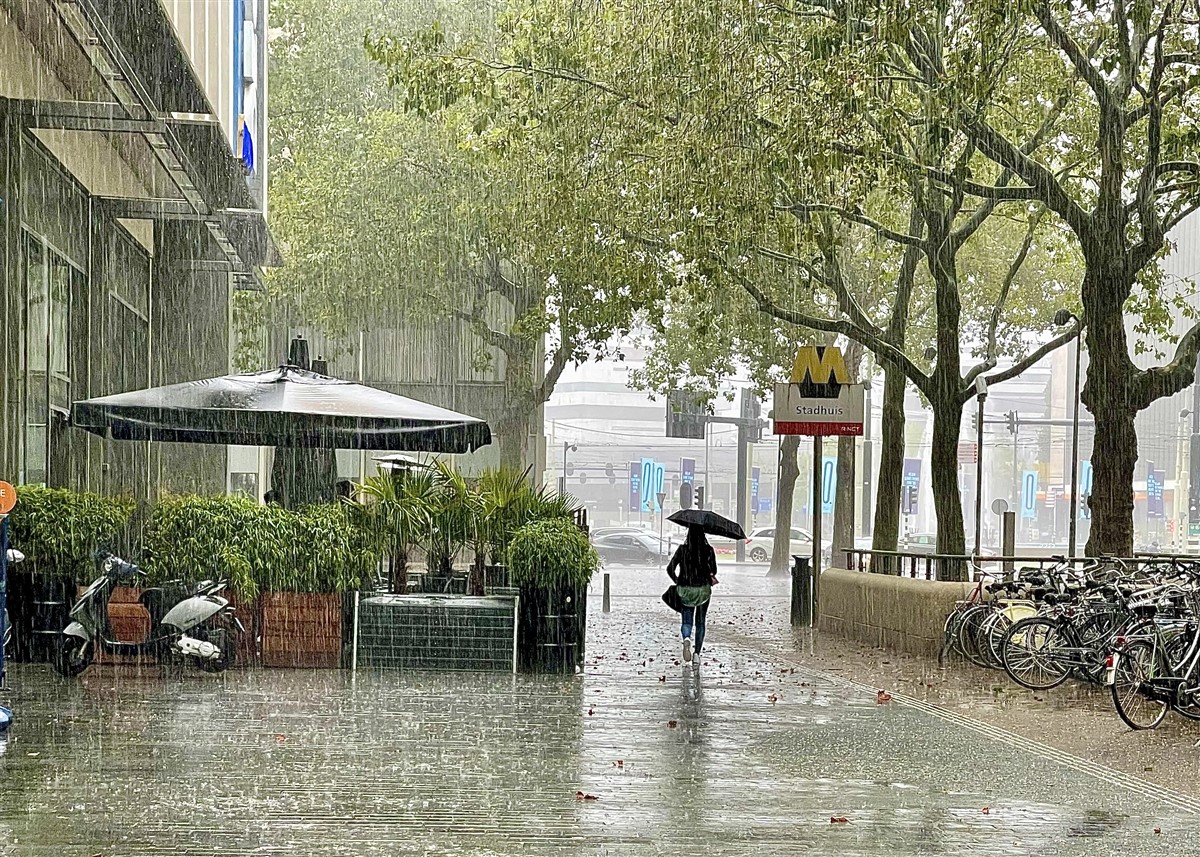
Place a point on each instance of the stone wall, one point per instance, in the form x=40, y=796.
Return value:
x=893, y=612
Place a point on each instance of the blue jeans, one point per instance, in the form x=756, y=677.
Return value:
x=697, y=616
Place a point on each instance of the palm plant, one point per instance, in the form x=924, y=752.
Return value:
x=454, y=518
x=397, y=511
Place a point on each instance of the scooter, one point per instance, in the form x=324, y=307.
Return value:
x=195, y=623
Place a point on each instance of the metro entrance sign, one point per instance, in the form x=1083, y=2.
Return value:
x=819, y=400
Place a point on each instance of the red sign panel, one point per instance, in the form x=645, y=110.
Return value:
x=968, y=453
x=819, y=429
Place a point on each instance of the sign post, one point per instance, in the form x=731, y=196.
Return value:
x=819, y=401
x=8, y=499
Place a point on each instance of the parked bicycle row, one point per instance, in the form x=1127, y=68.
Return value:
x=1132, y=630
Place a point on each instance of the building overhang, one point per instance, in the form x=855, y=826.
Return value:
x=143, y=92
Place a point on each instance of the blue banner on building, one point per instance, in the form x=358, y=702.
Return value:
x=1029, y=490
x=1085, y=488
x=828, y=485
x=755, y=474
x=911, y=487
x=653, y=475
x=635, y=485
x=687, y=471
x=1154, y=491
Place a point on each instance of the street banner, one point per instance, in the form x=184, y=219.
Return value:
x=1154, y=492
x=635, y=485
x=687, y=470
x=828, y=485
x=1085, y=488
x=910, y=496
x=1029, y=490
x=755, y=473
x=652, y=484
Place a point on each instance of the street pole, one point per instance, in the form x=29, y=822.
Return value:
x=567, y=446
x=817, y=467
x=868, y=511
x=743, y=478
x=981, y=388
x=1073, y=526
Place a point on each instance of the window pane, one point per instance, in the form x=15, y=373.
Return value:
x=60, y=308
x=36, y=438
x=36, y=306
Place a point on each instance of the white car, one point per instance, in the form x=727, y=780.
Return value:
x=761, y=542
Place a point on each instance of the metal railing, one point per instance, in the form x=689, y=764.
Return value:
x=934, y=566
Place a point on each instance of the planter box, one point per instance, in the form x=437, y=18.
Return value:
x=551, y=627
x=301, y=629
x=39, y=603
x=248, y=613
x=129, y=621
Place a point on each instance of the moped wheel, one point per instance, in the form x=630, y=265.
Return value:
x=74, y=655
x=223, y=640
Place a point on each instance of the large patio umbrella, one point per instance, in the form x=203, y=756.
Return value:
x=288, y=407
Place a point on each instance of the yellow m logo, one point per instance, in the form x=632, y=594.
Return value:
x=817, y=367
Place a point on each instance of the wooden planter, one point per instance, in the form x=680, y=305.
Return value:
x=130, y=622
x=301, y=629
x=248, y=614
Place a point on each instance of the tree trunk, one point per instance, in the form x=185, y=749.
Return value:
x=789, y=473
x=891, y=467
x=1107, y=394
x=512, y=436
x=947, y=500
x=843, y=503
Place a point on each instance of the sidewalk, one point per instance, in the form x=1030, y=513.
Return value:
x=754, y=756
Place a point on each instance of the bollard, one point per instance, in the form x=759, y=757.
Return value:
x=1008, y=538
x=801, y=591
x=607, y=594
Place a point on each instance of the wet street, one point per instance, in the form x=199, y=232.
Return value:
x=755, y=753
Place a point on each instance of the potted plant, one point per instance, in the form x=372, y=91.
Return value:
x=552, y=562
x=395, y=510
x=454, y=513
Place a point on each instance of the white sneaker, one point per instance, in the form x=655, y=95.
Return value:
x=687, y=650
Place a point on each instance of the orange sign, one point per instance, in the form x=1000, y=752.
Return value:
x=8, y=498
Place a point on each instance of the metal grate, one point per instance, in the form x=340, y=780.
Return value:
x=428, y=632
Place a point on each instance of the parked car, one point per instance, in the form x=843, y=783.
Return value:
x=761, y=543
x=919, y=543
x=608, y=531
x=632, y=548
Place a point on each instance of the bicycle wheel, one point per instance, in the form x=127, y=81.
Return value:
x=1095, y=635
x=966, y=642
x=1032, y=653
x=990, y=637
x=1133, y=698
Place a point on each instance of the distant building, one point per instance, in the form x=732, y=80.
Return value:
x=132, y=200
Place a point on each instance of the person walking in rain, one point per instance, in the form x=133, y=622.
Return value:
x=693, y=570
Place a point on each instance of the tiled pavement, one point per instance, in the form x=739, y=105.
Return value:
x=753, y=754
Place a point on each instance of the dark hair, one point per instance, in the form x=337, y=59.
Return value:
x=695, y=556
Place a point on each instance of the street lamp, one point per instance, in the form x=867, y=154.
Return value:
x=1062, y=318
x=981, y=394
x=567, y=447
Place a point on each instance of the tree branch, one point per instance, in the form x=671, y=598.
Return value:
x=506, y=342
x=1021, y=365
x=1013, y=269
x=803, y=210
x=1159, y=381
x=1077, y=57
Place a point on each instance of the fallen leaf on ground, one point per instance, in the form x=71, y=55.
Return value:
x=1158, y=830
x=662, y=678
x=772, y=699
x=987, y=810
x=591, y=711
x=883, y=697
x=838, y=819
x=583, y=796
x=671, y=724
x=620, y=763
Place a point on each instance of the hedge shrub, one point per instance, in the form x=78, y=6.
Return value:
x=551, y=552
x=59, y=530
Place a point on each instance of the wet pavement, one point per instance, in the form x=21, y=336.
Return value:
x=755, y=753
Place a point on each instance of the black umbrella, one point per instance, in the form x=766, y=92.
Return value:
x=283, y=407
x=709, y=522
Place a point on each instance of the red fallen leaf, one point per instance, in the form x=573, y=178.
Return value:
x=280, y=738
x=620, y=763
x=662, y=678
x=883, y=697
x=772, y=699
x=987, y=810
x=838, y=819
x=590, y=797
x=591, y=711
x=1157, y=830
x=671, y=724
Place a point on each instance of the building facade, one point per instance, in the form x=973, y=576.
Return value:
x=132, y=204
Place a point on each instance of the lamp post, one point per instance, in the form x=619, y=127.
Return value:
x=567, y=447
x=1182, y=484
x=981, y=395
x=1062, y=318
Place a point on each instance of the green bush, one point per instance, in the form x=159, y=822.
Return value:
x=257, y=548
x=551, y=552
x=60, y=530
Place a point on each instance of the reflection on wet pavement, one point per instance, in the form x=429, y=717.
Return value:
x=750, y=754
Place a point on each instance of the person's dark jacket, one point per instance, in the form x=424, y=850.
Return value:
x=693, y=565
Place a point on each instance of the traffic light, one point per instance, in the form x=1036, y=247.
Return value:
x=611, y=473
x=1011, y=420
x=975, y=422
x=685, y=495
x=700, y=497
